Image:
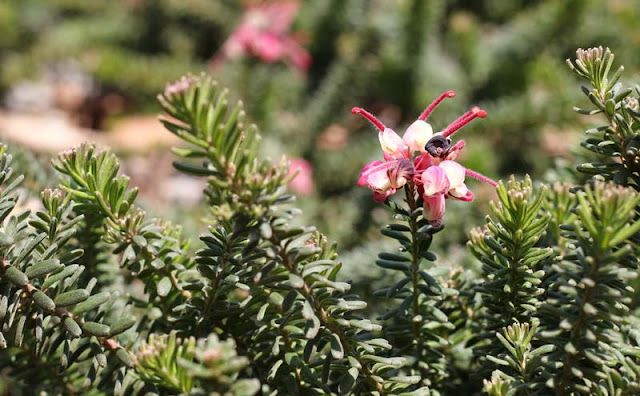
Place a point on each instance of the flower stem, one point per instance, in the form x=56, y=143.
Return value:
x=415, y=273
x=575, y=335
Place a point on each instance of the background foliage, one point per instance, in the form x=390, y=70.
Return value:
x=393, y=58
x=390, y=57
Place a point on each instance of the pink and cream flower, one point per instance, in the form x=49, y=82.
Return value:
x=423, y=158
x=385, y=178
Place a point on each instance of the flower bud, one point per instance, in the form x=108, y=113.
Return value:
x=392, y=145
x=417, y=135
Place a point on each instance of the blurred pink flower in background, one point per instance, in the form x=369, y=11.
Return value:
x=264, y=32
x=302, y=183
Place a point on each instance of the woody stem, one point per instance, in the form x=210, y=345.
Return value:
x=415, y=272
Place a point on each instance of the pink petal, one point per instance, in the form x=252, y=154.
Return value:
x=400, y=172
x=302, y=183
x=238, y=42
x=263, y=32
x=434, y=210
x=460, y=192
x=454, y=153
x=422, y=162
x=434, y=181
x=297, y=55
x=367, y=170
x=381, y=196
x=379, y=180
x=268, y=47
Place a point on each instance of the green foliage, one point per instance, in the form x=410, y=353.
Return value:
x=50, y=320
x=585, y=310
x=178, y=365
x=513, y=264
x=150, y=249
x=416, y=324
x=589, y=296
x=96, y=298
x=202, y=117
x=619, y=138
x=559, y=203
x=272, y=287
x=519, y=358
x=584, y=297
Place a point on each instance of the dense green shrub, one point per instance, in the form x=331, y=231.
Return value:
x=98, y=298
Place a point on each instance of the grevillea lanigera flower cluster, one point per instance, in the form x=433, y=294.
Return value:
x=421, y=160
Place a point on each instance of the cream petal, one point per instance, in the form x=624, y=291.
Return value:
x=455, y=173
x=379, y=180
x=389, y=141
x=460, y=191
x=417, y=135
x=392, y=144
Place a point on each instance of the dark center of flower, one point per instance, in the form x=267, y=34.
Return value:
x=438, y=146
